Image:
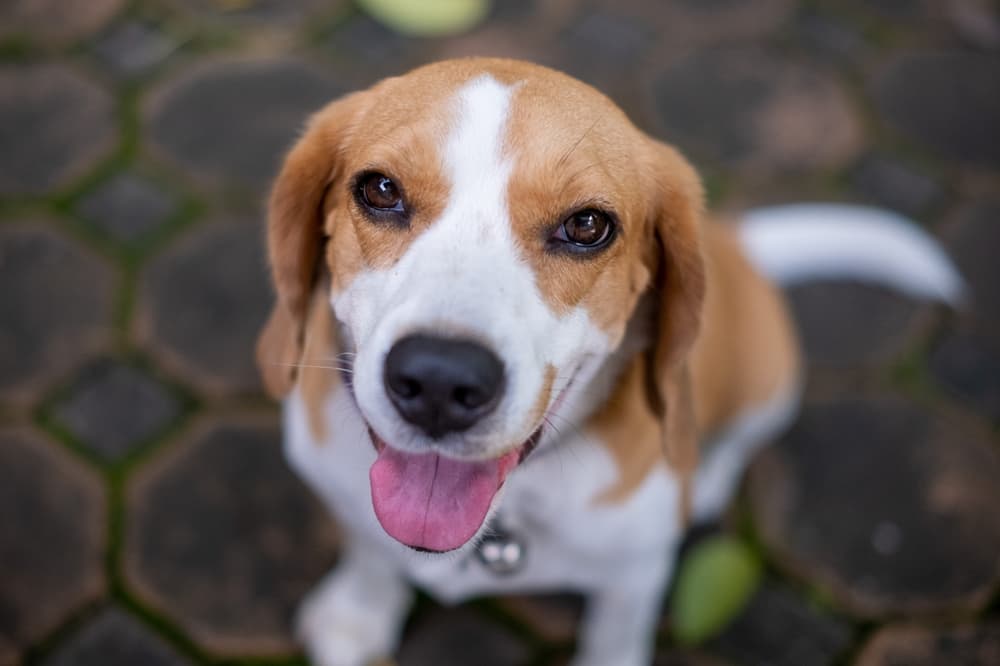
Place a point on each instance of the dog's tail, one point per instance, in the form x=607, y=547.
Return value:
x=800, y=242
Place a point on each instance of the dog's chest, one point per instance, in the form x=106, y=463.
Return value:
x=547, y=506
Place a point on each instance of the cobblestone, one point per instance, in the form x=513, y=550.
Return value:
x=946, y=101
x=887, y=182
x=114, y=638
x=115, y=408
x=751, y=110
x=969, y=645
x=257, y=12
x=827, y=314
x=133, y=48
x=459, y=637
x=55, y=307
x=51, y=555
x=224, y=539
x=780, y=629
x=128, y=207
x=885, y=505
x=55, y=21
x=54, y=125
x=230, y=121
x=201, y=306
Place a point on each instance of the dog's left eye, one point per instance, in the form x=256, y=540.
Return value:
x=587, y=229
x=378, y=192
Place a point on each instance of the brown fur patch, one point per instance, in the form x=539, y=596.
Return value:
x=564, y=163
x=544, y=394
x=631, y=432
x=748, y=350
x=746, y=353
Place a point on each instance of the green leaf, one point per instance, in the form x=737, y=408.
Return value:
x=427, y=18
x=715, y=582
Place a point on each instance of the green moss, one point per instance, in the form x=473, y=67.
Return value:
x=716, y=187
x=318, y=29
x=16, y=48
x=911, y=374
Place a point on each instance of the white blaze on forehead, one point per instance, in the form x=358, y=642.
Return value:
x=472, y=155
x=464, y=275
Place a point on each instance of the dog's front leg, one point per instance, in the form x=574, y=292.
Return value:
x=355, y=615
x=622, y=614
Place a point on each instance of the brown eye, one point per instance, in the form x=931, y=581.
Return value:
x=586, y=229
x=378, y=192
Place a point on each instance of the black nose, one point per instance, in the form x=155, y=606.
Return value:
x=442, y=385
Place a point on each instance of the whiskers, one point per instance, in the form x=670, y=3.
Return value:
x=349, y=369
x=342, y=362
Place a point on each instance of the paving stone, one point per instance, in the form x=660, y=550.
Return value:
x=128, y=207
x=675, y=657
x=554, y=617
x=827, y=36
x=885, y=504
x=202, y=304
x=55, y=306
x=910, y=645
x=598, y=45
x=946, y=101
x=52, y=510
x=780, y=629
x=705, y=21
x=384, y=51
x=892, y=9
x=223, y=539
x=458, y=637
x=972, y=240
x=114, y=638
x=976, y=21
x=755, y=111
x=887, y=182
x=230, y=121
x=133, y=48
x=8, y=653
x=115, y=408
x=54, y=125
x=966, y=361
x=515, y=10
x=55, y=21
x=844, y=324
x=257, y=12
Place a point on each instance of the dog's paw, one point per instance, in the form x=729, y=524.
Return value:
x=335, y=636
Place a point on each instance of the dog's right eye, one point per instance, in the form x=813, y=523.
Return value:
x=379, y=193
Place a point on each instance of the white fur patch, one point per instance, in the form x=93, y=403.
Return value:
x=799, y=242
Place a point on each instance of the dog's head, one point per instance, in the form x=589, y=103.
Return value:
x=486, y=229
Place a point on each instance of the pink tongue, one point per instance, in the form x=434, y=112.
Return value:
x=428, y=501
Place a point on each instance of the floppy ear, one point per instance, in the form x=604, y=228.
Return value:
x=679, y=271
x=295, y=238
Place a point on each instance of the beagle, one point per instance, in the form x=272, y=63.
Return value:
x=515, y=356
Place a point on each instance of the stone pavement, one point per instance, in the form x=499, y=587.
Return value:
x=146, y=515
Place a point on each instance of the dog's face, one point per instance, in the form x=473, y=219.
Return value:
x=487, y=228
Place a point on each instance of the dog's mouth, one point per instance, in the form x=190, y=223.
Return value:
x=434, y=503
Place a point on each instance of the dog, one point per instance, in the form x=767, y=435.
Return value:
x=514, y=354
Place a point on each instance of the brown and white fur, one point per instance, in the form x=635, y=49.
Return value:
x=630, y=364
